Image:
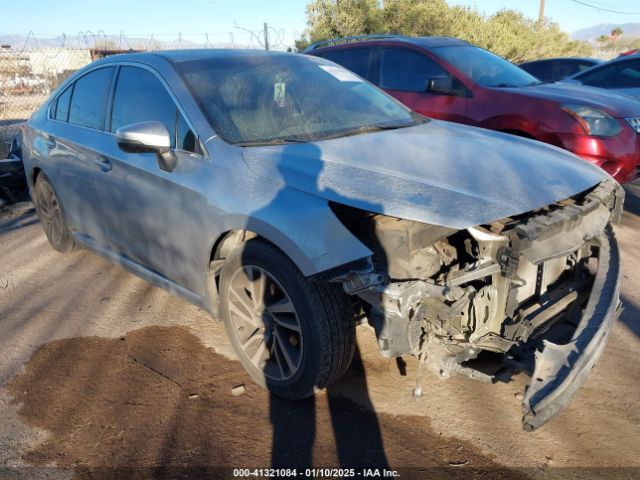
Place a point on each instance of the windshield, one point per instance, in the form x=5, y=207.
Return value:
x=485, y=68
x=280, y=98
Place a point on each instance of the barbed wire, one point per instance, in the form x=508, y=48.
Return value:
x=32, y=65
x=237, y=37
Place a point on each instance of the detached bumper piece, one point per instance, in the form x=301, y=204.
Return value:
x=561, y=369
x=13, y=183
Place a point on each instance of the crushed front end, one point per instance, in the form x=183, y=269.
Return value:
x=536, y=293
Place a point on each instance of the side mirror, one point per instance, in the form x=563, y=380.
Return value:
x=147, y=137
x=440, y=85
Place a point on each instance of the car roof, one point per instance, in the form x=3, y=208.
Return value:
x=626, y=58
x=177, y=56
x=581, y=59
x=427, y=42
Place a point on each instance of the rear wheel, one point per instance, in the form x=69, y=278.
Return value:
x=291, y=334
x=51, y=216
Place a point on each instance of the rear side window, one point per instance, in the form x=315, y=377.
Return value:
x=141, y=97
x=564, y=69
x=357, y=60
x=406, y=70
x=89, y=99
x=540, y=70
x=61, y=108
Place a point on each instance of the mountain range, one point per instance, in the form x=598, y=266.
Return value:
x=593, y=32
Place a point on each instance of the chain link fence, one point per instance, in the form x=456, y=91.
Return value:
x=27, y=77
x=31, y=68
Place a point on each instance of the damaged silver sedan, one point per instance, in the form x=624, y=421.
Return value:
x=294, y=200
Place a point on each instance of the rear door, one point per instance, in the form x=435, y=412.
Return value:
x=404, y=74
x=152, y=215
x=73, y=140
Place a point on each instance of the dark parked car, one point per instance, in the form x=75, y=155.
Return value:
x=453, y=80
x=552, y=70
x=291, y=198
x=13, y=184
x=621, y=75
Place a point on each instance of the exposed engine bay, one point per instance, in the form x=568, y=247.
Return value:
x=461, y=299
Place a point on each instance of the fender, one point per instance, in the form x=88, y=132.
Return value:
x=304, y=227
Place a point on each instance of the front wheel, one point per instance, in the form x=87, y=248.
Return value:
x=291, y=334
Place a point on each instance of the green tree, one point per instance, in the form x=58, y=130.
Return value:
x=301, y=43
x=416, y=17
x=508, y=33
x=342, y=18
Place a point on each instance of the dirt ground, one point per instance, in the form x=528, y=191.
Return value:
x=105, y=376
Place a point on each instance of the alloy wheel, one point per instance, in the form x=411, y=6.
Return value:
x=265, y=323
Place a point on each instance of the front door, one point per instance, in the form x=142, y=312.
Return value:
x=152, y=215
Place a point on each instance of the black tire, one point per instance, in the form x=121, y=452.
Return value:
x=51, y=216
x=323, y=311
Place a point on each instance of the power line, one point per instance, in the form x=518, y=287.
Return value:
x=614, y=4
x=604, y=9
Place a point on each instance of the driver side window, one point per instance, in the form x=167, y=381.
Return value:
x=406, y=70
x=140, y=96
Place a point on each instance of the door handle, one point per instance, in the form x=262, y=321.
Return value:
x=104, y=164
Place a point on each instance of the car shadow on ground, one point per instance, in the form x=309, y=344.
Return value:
x=16, y=219
x=630, y=315
x=632, y=198
x=294, y=427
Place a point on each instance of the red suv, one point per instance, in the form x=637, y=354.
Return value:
x=451, y=79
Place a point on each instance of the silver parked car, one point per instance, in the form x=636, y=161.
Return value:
x=288, y=196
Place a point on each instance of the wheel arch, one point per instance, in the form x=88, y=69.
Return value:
x=228, y=241
x=35, y=172
x=315, y=243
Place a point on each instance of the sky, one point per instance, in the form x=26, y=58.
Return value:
x=228, y=21
x=571, y=15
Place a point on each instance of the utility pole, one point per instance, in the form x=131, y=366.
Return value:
x=266, y=36
x=541, y=14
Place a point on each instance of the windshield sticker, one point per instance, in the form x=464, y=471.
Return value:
x=279, y=89
x=340, y=73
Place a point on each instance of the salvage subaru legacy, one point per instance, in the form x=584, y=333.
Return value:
x=292, y=199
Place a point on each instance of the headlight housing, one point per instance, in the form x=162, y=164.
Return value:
x=593, y=121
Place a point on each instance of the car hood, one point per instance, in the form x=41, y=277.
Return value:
x=614, y=104
x=438, y=173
